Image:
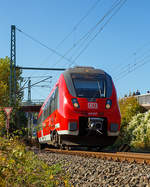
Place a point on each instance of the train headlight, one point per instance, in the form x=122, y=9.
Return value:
x=75, y=103
x=108, y=104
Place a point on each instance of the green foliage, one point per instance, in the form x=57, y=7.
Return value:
x=4, y=81
x=2, y=123
x=4, y=94
x=19, y=167
x=4, y=89
x=129, y=107
x=138, y=131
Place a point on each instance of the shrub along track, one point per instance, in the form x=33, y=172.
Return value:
x=118, y=156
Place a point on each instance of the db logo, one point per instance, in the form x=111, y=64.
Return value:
x=92, y=105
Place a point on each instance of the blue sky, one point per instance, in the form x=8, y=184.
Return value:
x=122, y=48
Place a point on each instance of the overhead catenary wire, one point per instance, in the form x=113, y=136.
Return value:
x=42, y=76
x=75, y=27
x=138, y=59
x=64, y=56
x=136, y=55
x=132, y=67
x=26, y=79
x=43, y=80
x=42, y=44
x=43, y=86
x=79, y=22
x=89, y=42
x=85, y=37
x=131, y=70
x=114, y=9
x=54, y=50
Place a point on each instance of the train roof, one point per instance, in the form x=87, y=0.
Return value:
x=80, y=71
x=84, y=69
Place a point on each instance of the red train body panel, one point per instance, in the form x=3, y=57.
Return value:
x=82, y=109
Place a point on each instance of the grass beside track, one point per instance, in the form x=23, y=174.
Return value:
x=19, y=167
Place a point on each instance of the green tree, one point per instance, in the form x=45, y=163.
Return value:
x=129, y=107
x=4, y=90
x=4, y=82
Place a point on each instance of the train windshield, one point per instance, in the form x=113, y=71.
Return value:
x=90, y=88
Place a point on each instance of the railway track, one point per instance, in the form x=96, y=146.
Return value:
x=118, y=156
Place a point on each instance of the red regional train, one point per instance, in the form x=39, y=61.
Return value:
x=81, y=110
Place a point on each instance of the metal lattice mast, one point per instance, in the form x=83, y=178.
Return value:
x=29, y=90
x=13, y=66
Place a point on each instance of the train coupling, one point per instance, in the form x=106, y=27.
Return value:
x=95, y=124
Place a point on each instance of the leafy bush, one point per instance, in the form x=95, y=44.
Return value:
x=19, y=167
x=2, y=123
x=129, y=107
x=138, y=131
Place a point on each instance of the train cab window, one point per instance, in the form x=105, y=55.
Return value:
x=90, y=88
x=109, y=86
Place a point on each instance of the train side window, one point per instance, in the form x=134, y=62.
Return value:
x=50, y=100
x=39, y=121
x=48, y=107
x=52, y=104
x=57, y=99
x=45, y=114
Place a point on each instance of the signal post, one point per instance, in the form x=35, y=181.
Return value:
x=7, y=110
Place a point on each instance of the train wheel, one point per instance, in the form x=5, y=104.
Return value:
x=68, y=147
x=62, y=147
x=99, y=148
x=55, y=139
x=42, y=146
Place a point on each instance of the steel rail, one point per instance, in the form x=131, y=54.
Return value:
x=118, y=156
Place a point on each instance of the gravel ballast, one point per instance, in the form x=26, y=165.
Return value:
x=97, y=172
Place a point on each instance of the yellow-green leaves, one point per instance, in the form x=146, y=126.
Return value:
x=129, y=107
x=5, y=92
x=19, y=167
x=139, y=131
x=4, y=81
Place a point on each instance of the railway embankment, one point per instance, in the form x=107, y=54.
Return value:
x=87, y=171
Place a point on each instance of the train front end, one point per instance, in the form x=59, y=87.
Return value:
x=89, y=109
